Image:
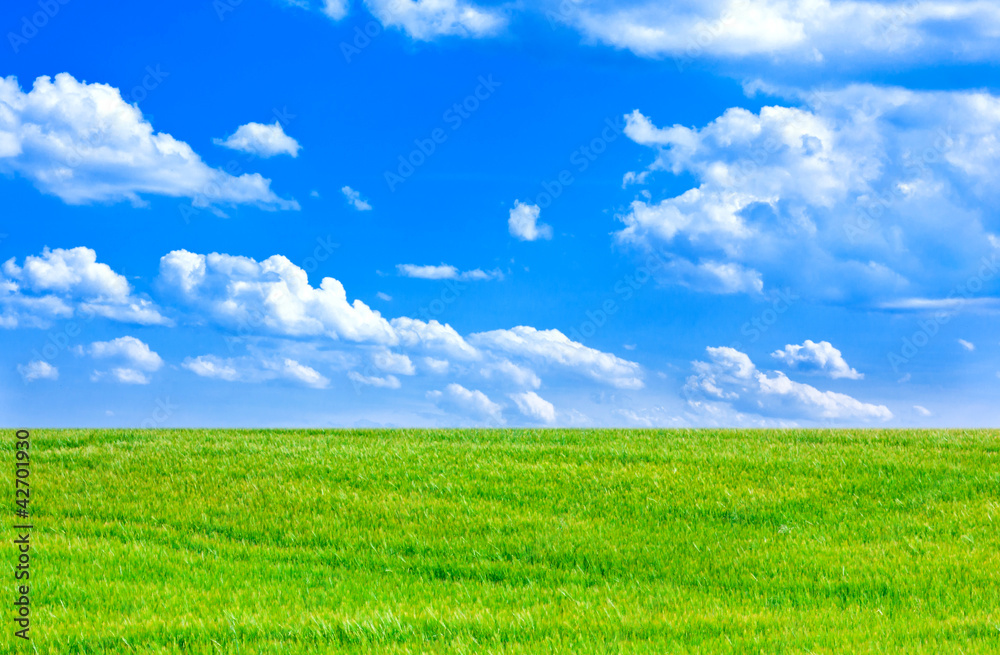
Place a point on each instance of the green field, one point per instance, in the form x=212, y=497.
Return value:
x=512, y=541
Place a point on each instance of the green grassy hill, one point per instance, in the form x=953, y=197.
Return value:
x=514, y=541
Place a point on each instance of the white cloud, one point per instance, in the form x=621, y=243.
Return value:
x=209, y=366
x=446, y=272
x=37, y=370
x=310, y=377
x=128, y=350
x=730, y=378
x=436, y=366
x=383, y=296
x=273, y=296
x=795, y=32
x=354, y=198
x=390, y=362
x=519, y=375
x=923, y=411
x=64, y=283
x=387, y=382
x=473, y=403
x=523, y=223
x=534, y=406
x=968, y=345
x=261, y=140
x=863, y=193
x=83, y=143
x=123, y=375
x=435, y=336
x=821, y=357
x=552, y=347
x=333, y=9
x=255, y=369
x=425, y=20
x=136, y=358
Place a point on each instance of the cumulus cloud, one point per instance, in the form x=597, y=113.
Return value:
x=390, y=362
x=470, y=403
x=136, y=360
x=333, y=9
x=273, y=295
x=821, y=357
x=436, y=366
x=62, y=283
x=83, y=143
x=862, y=193
x=386, y=382
x=796, y=32
x=523, y=223
x=37, y=370
x=354, y=198
x=923, y=411
x=433, y=336
x=261, y=140
x=128, y=350
x=446, y=272
x=519, y=375
x=254, y=369
x=534, y=406
x=730, y=378
x=123, y=375
x=968, y=345
x=553, y=348
x=425, y=20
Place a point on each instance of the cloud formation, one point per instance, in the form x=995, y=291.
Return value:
x=446, y=272
x=863, y=193
x=820, y=357
x=37, y=370
x=271, y=296
x=469, y=402
x=730, y=379
x=261, y=140
x=802, y=33
x=255, y=370
x=354, y=199
x=136, y=360
x=425, y=20
x=83, y=143
x=553, y=348
x=523, y=223
x=534, y=406
x=63, y=283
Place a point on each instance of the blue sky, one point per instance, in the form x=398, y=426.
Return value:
x=548, y=214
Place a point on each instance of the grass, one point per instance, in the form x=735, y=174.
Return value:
x=513, y=541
